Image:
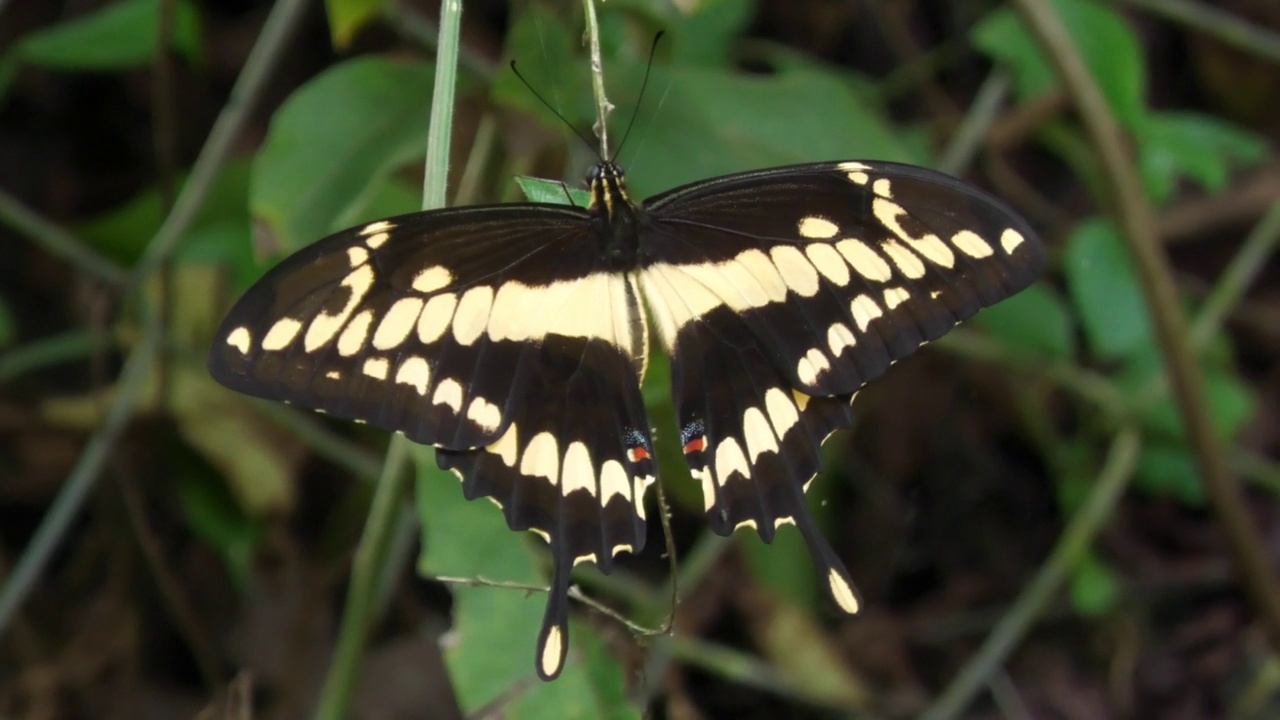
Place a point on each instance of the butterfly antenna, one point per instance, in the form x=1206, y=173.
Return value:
x=554, y=111
x=653, y=49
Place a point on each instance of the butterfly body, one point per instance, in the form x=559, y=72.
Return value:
x=514, y=339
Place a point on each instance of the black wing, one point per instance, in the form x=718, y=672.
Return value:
x=492, y=333
x=780, y=293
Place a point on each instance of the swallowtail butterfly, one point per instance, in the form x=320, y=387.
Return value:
x=513, y=338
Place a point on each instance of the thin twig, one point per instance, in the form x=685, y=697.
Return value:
x=972, y=131
x=603, y=106
x=1136, y=221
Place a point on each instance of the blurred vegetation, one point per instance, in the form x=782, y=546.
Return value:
x=1033, y=474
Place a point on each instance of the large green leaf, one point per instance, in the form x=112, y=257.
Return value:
x=334, y=144
x=119, y=36
x=1199, y=147
x=1035, y=320
x=1109, y=48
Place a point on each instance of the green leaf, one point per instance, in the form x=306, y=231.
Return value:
x=1229, y=401
x=348, y=17
x=1105, y=291
x=1168, y=470
x=1109, y=48
x=549, y=53
x=712, y=122
x=1095, y=589
x=334, y=143
x=119, y=36
x=550, y=191
x=1036, y=320
x=1199, y=147
x=783, y=565
x=491, y=647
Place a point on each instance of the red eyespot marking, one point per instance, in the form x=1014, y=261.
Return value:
x=636, y=454
x=697, y=444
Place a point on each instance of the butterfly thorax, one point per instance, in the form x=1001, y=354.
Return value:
x=615, y=215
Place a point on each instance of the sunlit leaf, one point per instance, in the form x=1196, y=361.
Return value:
x=118, y=36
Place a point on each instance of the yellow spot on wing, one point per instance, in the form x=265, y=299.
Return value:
x=972, y=244
x=397, y=323
x=506, y=447
x=813, y=364
x=882, y=188
x=1010, y=240
x=324, y=326
x=907, y=262
x=613, y=481
x=928, y=245
x=828, y=262
x=757, y=433
x=376, y=227
x=816, y=227
x=352, y=339
x=416, y=372
x=782, y=411
x=842, y=592
x=435, y=317
x=431, y=279
x=865, y=261
x=552, y=649
x=893, y=297
x=449, y=393
x=281, y=334
x=376, y=241
x=864, y=310
x=729, y=458
x=376, y=368
x=795, y=269
x=357, y=256
x=240, y=339
x=541, y=458
x=484, y=413
x=472, y=315
x=839, y=337
x=578, y=473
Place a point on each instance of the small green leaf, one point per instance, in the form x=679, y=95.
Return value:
x=1095, y=589
x=491, y=648
x=1202, y=148
x=119, y=36
x=1109, y=48
x=1035, y=320
x=1105, y=291
x=1167, y=470
x=348, y=17
x=334, y=143
x=1230, y=402
x=549, y=191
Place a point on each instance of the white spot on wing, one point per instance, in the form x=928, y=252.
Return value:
x=449, y=393
x=816, y=227
x=414, y=371
x=376, y=240
x=578, y=473
x=882, y=188
x=281, y=334
x=240, y=339
x=397, y=323
x=357, y=256
x=551, y=651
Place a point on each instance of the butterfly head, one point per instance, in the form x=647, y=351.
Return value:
x=608, y=185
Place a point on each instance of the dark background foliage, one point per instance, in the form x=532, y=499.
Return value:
x=204, y=568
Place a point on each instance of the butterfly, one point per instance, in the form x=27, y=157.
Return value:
x=514, y=338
